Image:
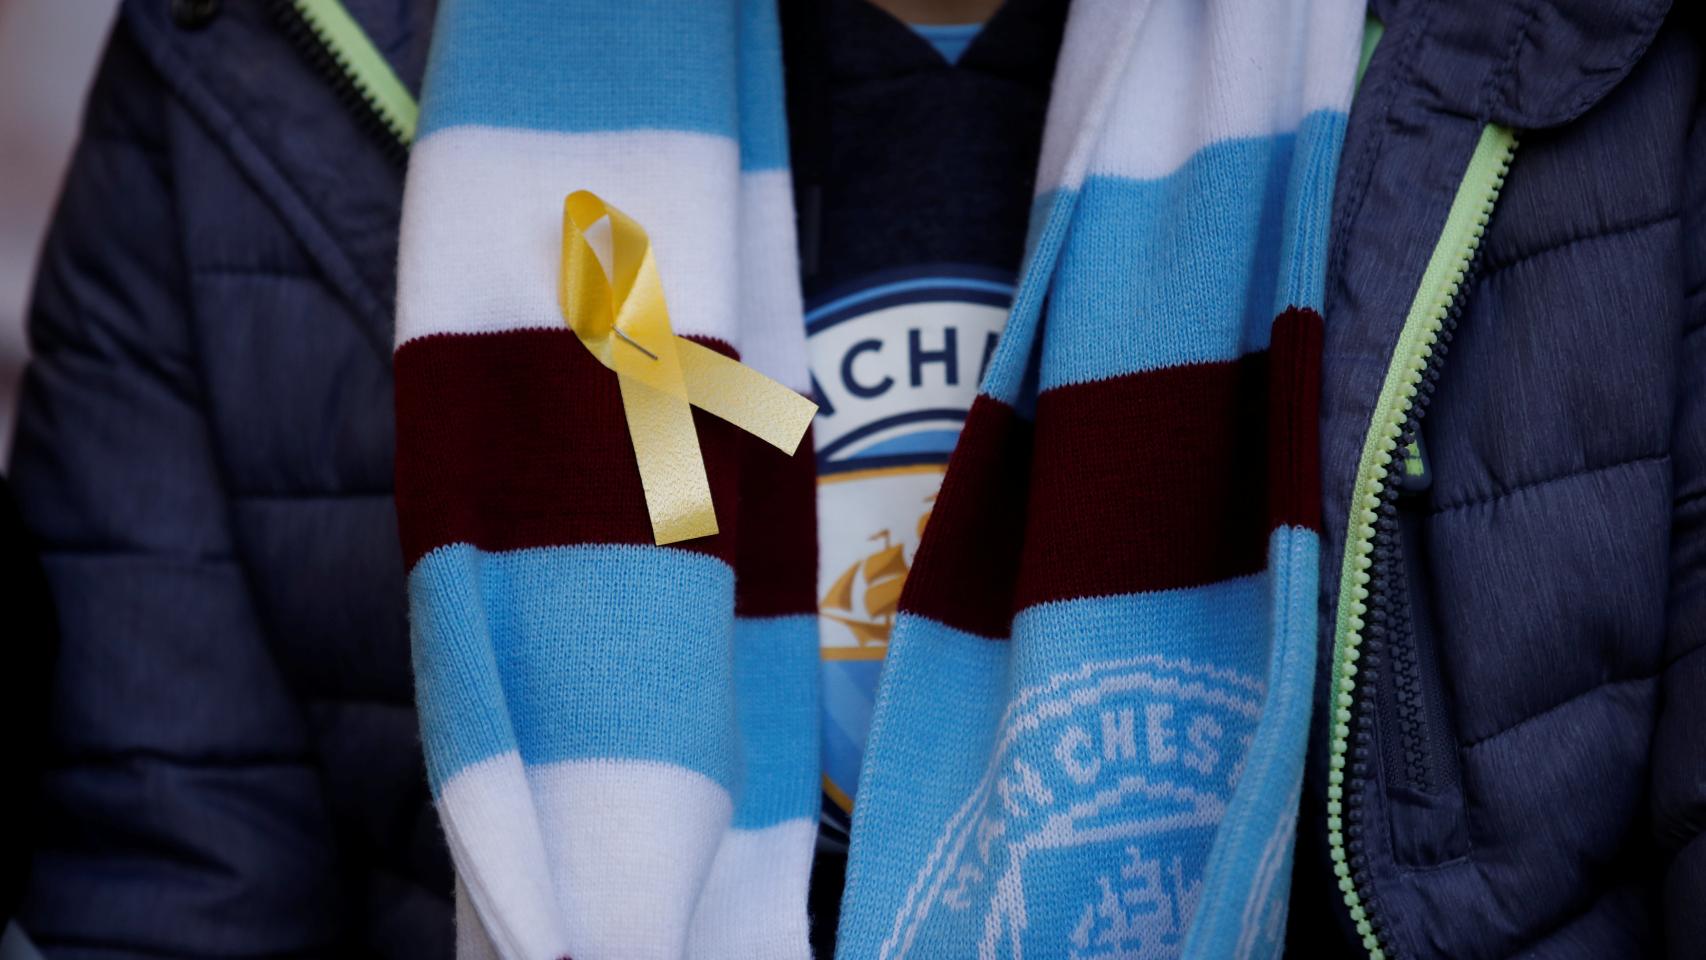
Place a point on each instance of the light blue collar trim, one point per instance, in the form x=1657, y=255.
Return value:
x=949, y=39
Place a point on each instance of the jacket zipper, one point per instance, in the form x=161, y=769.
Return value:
x=1392, y=648
x=1400, y=644
x=1403, y=396
x=337, y=46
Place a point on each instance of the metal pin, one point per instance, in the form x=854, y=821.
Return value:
x=633, y=343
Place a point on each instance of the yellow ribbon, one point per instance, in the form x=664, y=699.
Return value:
x=622, y=319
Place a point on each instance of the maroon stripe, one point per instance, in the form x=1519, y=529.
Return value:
x=1294, y=420
x=776, y=553
x=1150, y=481
x=965, y=568
x=1144, y=482
x=517, y=439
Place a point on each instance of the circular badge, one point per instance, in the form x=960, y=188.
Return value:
x=1088, y=835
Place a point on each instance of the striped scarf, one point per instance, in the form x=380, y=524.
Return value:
x=1089, y=736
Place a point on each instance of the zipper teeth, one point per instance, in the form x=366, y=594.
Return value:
x=391, y=120
x=1385, y=653
x=1390, y=619
x=1408, y=386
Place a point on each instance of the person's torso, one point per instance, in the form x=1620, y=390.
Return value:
x=1547, y=443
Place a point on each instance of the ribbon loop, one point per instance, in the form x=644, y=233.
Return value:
x=621, y=318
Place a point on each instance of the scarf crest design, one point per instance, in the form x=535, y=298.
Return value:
x=1090, y=732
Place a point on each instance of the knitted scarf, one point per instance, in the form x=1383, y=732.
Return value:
x=1089, y=735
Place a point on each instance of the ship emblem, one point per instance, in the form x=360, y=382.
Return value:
x=880, y=574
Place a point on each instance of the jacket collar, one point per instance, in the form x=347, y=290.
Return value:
x=283, y=125
x=1527, y=64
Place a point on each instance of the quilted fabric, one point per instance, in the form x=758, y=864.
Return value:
x=205, y=453
x=1560, y=553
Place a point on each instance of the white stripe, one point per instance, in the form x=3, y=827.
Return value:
x=1199, y=73
x=754, y=903
x=482, y=228
x=493, y=833
x=630, y=845
x=772, y=322
x=1094, y=51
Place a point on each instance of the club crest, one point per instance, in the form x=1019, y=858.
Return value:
x=1126, y=766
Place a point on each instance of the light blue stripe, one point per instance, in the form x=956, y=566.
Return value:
x=1011, y=376
x=575, y=652
x=941, y=698
x=605, y=65
x=1194, y=266
x=459, y=693
x=1248, y=879
x=776, y=700
x=1224, y=624
x=763, y=114
x=904, y=286
x=1309, y=212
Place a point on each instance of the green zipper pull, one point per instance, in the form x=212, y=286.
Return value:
x=1416, y=477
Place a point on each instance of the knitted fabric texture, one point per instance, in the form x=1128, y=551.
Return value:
x=1090, y=732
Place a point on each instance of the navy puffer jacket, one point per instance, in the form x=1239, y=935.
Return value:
x=205, y=452
x=1525, y=769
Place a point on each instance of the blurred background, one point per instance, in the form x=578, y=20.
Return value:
x=48, y=50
